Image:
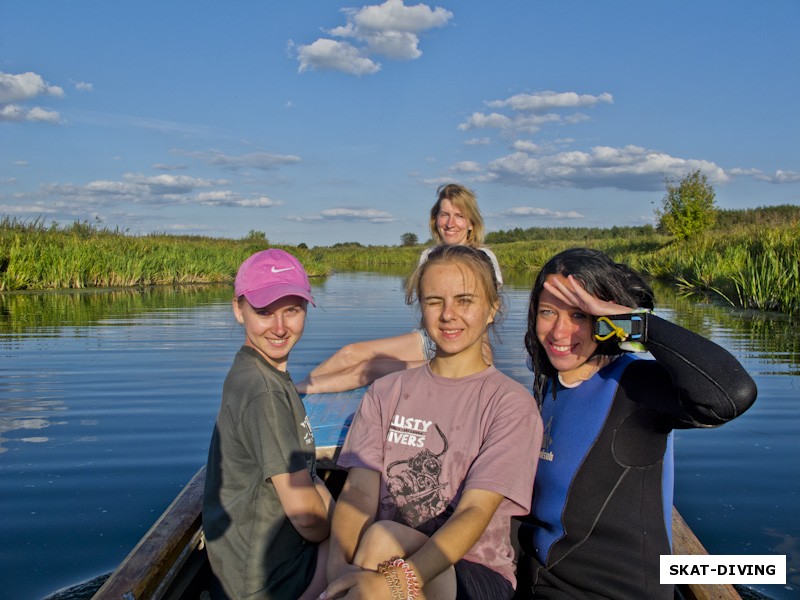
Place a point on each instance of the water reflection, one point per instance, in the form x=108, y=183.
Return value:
x=768, y=337
x=47, y=312
x=107, y=400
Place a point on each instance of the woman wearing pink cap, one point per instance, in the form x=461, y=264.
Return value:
x=266, y=514
x=455, y=219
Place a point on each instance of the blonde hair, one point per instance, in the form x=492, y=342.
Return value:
x=473, y=259
x=464, y=200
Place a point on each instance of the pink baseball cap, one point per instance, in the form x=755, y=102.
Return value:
x=270, y=275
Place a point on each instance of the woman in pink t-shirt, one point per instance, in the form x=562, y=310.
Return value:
x=438, y=456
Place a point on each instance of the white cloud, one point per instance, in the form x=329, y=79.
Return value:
x=303, y=218
x=166, y=167
x=524, y=123
x=42, y=115
x=358, y=214
x=367, y=215
x=27, y=209
x=170, y=184
x=785, y=177
x=528, y=113
x=12, y=112
x=17, y=113
x=548, y=100
x=82, y=86
x=467, y=166
x=395, y=16
x=325, y=54
x=228, y=198
x=261, y=201
x=630, y=167
x=106, y=188
x=525, y=146
x=484, y=141
x=627, y=168
x=397, y=45
x=135, y=188
x=780, y=176
x=264, y=161
x=545, y=213
x=16, y=89
x=481, y=121
x=390, y=30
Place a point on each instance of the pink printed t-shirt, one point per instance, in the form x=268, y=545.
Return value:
x=427, y=435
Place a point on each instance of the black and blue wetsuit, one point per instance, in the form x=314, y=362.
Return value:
x=601, y=513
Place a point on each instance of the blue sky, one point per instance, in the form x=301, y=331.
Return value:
x=329, y=121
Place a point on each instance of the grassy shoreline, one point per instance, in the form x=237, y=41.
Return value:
x=754, y=266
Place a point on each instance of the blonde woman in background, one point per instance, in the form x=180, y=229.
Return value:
x=455, y=219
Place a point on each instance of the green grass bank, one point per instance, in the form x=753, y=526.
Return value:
x=750, y=262
x=35, y=257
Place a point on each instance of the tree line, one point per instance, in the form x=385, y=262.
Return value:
x=687, y=210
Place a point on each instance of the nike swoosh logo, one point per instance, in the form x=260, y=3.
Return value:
x=274, y=270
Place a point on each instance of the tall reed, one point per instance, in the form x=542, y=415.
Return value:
x=753, y=266
x=34, y=258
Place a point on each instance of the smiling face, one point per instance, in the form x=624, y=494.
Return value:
x=452, y=225
x=455, y=311
x=564, y=332
x=274, y=329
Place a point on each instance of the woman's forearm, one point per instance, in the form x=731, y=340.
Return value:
x=355, y=511
x=306, y=502
x=454, y=539
x=708, y=376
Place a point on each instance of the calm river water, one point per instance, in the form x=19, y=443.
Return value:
x=107, y=400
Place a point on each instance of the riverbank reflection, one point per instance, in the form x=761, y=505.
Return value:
x=107, y=401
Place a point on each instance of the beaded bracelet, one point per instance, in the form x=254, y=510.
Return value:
x=412, y=583
x=393, y=579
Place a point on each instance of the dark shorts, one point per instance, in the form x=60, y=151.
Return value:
x=476, y=582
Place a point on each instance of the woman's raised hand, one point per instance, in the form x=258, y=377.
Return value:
x=570, y=290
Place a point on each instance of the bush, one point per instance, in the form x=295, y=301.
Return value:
x=688, y=208
x=409, y=239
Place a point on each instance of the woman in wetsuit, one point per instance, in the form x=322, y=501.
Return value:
x=601, y=512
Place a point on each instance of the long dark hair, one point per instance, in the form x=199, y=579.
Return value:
x=601, y=277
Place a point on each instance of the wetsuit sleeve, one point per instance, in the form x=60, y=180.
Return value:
x=712, y=386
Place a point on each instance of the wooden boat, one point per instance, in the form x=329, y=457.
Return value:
x=170, y=563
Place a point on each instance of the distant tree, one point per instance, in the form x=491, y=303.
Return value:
x=302, y=245
x=688, y=208
x=256, y=236
x=409, y=239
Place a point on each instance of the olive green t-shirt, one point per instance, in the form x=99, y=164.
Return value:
x=261, y=430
